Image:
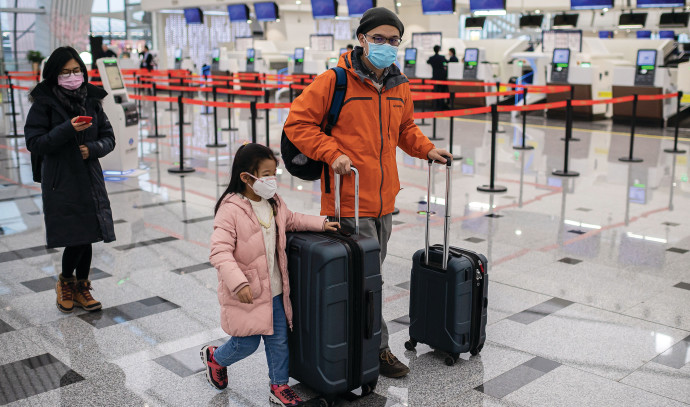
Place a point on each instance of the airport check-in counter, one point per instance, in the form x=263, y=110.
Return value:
x=645, y=78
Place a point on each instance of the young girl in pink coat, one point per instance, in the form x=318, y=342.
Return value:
x=248, y=251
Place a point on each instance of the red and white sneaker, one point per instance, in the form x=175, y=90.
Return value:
x=284, y=396
x=216, y=375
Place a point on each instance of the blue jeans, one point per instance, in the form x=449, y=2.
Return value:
x=277, y=355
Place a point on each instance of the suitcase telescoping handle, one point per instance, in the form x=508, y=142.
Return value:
x=337, y=198
x=446, y=228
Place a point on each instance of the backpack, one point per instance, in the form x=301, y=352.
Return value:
x=298, y=164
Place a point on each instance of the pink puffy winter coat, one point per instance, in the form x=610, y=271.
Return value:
x=239, y=255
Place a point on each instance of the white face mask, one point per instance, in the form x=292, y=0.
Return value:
x=265, y=187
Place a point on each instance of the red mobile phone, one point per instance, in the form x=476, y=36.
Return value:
x=84, y=119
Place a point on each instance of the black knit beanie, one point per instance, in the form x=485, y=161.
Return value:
x=378, y=16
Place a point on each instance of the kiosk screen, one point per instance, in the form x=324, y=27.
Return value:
x=250, y=54
x=299, y=54
x=471, y=56
x=112, y=72
x=410, y=55
x=646, y=58
x=561, y=57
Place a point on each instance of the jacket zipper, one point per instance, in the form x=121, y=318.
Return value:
x=381, y=155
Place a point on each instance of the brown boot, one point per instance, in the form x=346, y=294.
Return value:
x=390, y=366
x=83, y=298
x=64, y=290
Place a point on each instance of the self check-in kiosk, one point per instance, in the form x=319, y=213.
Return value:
x=410, y=62
x=645, y=67
x=215, y=59
x=250, y=60
x=123, y=116
x=559, y=65
x=178, y=58
x=299, y=61
x=470, y=64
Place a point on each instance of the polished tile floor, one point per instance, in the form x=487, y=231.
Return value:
x=589, y=300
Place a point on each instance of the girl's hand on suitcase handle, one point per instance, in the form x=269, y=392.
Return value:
x=245, y=295
x=331, y=226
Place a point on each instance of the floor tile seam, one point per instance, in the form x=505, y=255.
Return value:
x=597, y=308
x=496, y=398
x=651, y=392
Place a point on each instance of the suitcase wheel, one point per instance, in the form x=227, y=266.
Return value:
x=475, y=352
x=369, y=388
x=411, y=344
x=452, y=358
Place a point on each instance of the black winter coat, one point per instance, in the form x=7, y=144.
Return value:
x=75, y=201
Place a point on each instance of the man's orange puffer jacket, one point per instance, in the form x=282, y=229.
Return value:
x=370, y=127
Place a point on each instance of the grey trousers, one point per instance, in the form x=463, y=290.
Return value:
x=380, y=229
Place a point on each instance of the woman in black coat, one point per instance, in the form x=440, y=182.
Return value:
x=65, y=153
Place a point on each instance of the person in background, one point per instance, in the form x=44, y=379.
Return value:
x=248, y=250
x=451, y=55
x=350, y=47
x=108, y=53
x=75, y=202
x=439, y=66
x=147, y=59
x=375, y=120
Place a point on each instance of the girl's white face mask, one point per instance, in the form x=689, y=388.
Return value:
x=265, y=187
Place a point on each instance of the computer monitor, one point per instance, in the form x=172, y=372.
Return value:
x=410, y=55
x=647, y=58
x=112, y=72
x=299, y=54
x=561, y=56
x=471, y=55
x=250, y=53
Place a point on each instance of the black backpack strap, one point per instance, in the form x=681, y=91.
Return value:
x=334, y=113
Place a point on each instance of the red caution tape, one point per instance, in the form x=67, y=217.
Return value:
x=140, y=86
x=415, y=80
x=421, y=87
x=33, y=78
x=452, y=113
x=215, y=104
x=204, y=82
x=152, y=98
x=96, y=83
x=429, y=96
x=262, y=106
x=21, y=87
x=657, y=97
x=298, y=87
x=622, y=99
x=539, y=106
x=457, y=83
x=4, y=86
x=486, y=94
x=178, y=88
x=21, y=72
x=240, y=92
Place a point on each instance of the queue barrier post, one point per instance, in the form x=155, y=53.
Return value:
x=523, y=146
x=155, y=115
x=492, y=188
x=675, y=149
x=252, y=109
x=633, y=119
x=568, y=135
x=181, y=169
x=215, y=143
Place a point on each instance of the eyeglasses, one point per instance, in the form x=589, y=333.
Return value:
x=75, y=71
x=395, y=41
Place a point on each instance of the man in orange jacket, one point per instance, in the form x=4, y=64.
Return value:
x=376, y=118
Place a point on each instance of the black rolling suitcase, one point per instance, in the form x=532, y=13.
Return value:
x=335, y=290
x=448, y=293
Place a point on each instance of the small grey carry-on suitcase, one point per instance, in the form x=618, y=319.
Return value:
x=335, y=290
x=448, y=292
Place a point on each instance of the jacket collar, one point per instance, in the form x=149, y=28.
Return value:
x=352, y=61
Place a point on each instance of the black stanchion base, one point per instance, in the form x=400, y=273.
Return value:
x=566, y=173
x=423, y=124
x=674, y=151
x=229, y=129
x=436, y=138
x=13, y=135
x=183, y=170
x=571, y=139
x=206, y=113
x=495, y=189
x=523, y=148
x=170, y=110
x=630, y=160
x=144, y=117
x=185, y=123
x=396, y=211
x=156, y=136
x=215, y=145
x=11, y=114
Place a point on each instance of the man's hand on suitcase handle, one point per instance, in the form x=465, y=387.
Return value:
x=342, y=165
x=439, y=155
x=245, y=295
